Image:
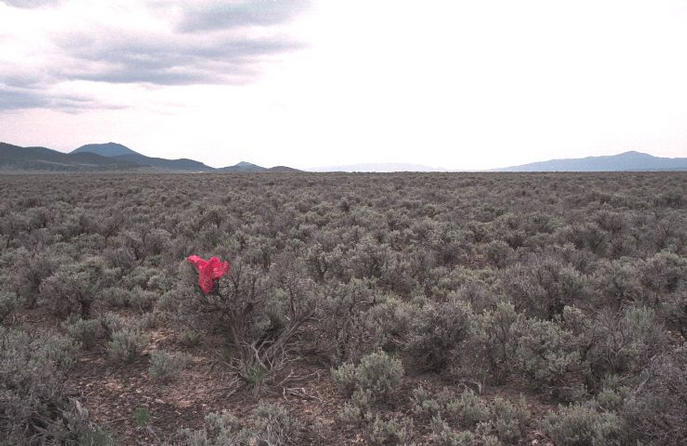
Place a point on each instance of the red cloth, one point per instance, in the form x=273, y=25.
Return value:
x=208, y=271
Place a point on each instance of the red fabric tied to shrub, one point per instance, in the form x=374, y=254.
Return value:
x=208, y=271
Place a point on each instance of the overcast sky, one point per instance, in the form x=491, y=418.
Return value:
x=452, y=84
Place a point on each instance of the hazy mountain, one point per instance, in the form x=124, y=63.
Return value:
x=182, y=164
x=123, y=153
x=282, y=169
x=108, y=149
x=628, y=161
x=243, y=166
x=378, y=167
x=40, y=158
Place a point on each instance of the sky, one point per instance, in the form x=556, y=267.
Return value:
x=460, y=85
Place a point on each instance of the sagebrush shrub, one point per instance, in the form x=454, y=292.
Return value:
x=8, y=304
x=73, y=288
x=580, y=425
x=88, y=332
x=377, y=373
x=272, y=424
x=547, y=355
x=32, y=393
x=391, y=431
x=438, y=332
x=656, y=409
x=166, y=366
x=126, y=345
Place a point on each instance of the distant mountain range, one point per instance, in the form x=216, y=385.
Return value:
x=378, y=167
x=112, y=156
x=108, y=156
x=627, y=161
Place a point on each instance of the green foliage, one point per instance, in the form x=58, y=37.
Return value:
x=514, y=280
x=88, y=332
x=8, y=304
x=390, y=432
x=32, y=394
x=164, y=366
x=73, y=288
x=141, y=416
x=272, y=424
x=221, y=429
x=547, y=356
x=582, y=425
x=656, y=409
x=438, y=332
x=126, y=345
x=378, y=373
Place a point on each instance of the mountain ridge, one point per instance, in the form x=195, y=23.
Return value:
x=628, y=161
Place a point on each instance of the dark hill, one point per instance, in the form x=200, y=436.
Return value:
x=108, y=156
x=40, y=158
x=109, y=149
x=123, y=153
x=282, y=169
x=627, y=161
x=243, y=166
x=182, y=164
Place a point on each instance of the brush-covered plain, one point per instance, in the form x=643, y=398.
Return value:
x=383, y=309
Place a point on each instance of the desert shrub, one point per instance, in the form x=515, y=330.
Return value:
x=496, y=339
x=588, y=236
x=656, y=410
x=32, y=394
x=272, y=424
x=73, y=288
x=663, y=272
x=126, y=344
x=543, y=286
x=385, y=325
x=445, y=435
x=164, y=366
x=358, y=410
x=438, y=332
x=87, y=332
x=345, y=378
x=339, y=320
x=142, y=300
x=618, y=282
x=582, y=425
x=116, y=297
x=468, y=409
x=390, y=431
x=509, y=420
x=674, y=312
x=189, y=338
x=499, y=418
x=622, y=344
x=376, y=373
x=221, y=429
x=612, y=394
x=249, y=309
x=426, y=405
x=499, y=253
x=546, y=354
x=29, y=276
x=8, y=304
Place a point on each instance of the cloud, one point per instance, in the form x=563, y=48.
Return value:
x=208, y=16
x=30, y=4
x=150, y=43
x=167, y=59
x=13, y=99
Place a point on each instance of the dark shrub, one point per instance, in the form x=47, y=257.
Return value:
x=584, y=425
x=656, y=410
x=438, y=332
